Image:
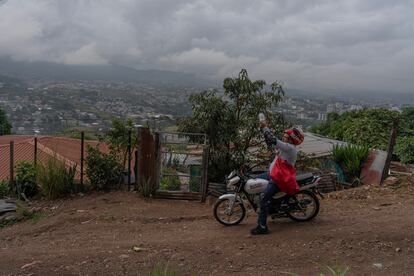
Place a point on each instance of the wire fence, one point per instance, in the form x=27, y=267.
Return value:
x=182, y=161
x=72, y=152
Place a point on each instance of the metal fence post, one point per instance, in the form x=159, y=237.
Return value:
x=11, y=179
x=129, y=159
x=35, y=151
x=206, y=152
x=136, y=169
x=82, y=156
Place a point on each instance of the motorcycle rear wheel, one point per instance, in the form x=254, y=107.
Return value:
x=306, y=199
x=222, y=212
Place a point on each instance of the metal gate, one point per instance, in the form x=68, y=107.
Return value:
x=182, y=162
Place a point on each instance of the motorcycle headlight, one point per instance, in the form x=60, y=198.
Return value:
x=231, y=175
x=233, y=181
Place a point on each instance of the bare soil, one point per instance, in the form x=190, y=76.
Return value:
x=370, y=230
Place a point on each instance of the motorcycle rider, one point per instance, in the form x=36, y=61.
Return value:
x=285, y=158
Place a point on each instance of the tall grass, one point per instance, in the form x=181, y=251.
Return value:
x=350, y=158
x=54, y=179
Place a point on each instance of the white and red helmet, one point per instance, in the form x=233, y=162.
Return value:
x=296, y=135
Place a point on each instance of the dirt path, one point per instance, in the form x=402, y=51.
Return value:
x=369, y=231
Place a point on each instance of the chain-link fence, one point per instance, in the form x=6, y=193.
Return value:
x=72, y=152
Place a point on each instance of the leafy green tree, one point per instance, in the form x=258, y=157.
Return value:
x=104, y=171
x=362, y=127
x=405, y=149
x=372, y=127
x=5, y=126
x=118, y=136
x=230, y=121
x=408, y=117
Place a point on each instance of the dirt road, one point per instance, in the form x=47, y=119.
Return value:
x=370, y=231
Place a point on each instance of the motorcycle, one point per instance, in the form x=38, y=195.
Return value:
x=230, y=208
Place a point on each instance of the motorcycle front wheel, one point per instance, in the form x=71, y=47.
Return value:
x=305, y=208
x=226, y=215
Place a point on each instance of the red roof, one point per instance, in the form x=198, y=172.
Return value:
x=65, y=149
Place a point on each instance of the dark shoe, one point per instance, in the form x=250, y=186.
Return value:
x=259, y=231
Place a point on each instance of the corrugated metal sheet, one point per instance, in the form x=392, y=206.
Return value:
x=318, y=145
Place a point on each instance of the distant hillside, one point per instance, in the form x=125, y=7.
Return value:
x=11, y=82
x=30, y=71
x=347, y=95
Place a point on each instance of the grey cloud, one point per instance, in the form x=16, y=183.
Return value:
x=325, y=44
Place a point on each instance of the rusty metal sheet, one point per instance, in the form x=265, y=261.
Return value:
x=371, y=172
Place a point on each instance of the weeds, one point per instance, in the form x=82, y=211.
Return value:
x=145, y=187
x=335, y=271
x=22, y=213
x=159, y=270
x=37, y=216
x=54, y=179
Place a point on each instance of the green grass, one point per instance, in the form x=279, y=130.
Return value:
x=36, y=217
x=160, y=270
x=4, y=224
x=337, y=270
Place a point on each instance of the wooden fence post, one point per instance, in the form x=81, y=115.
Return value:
x=391, y=144
x=146, y=158
x=157, y=160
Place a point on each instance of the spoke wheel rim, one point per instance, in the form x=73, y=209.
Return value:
x=223, y=211
x=307, y=205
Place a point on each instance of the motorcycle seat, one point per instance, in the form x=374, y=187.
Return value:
x=304, y=176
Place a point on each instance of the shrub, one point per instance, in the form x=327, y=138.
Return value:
x=103, y=170
x=362, y=127
x=405, y=149
x=170, y=182
x=54, y=179
x=25, y=181
x=350, y=158
x=4, y=189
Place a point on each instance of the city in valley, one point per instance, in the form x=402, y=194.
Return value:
x=54, y=107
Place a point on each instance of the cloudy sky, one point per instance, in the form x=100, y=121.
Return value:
x=344, y=44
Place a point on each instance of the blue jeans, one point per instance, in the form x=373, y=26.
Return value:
x=266, y=200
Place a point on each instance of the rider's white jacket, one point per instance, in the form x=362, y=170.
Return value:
x=284, y=150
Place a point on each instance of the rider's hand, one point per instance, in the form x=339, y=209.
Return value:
x=263, y=124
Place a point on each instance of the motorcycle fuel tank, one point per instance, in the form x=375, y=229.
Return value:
x=256, y=185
